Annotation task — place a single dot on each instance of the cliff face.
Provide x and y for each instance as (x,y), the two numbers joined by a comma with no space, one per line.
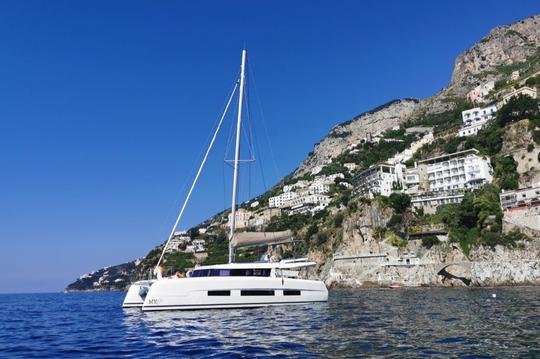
(504,45)
(350,133)
(364,260)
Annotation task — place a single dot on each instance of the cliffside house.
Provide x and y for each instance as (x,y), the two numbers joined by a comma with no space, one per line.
(520,197)
(480,92)
(525,90)
(522,208)
(475,118)
(458,170)
(179,240)
(377,179)
(242,218)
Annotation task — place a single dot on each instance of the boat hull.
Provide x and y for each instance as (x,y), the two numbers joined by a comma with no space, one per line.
(137,293)
(231,292)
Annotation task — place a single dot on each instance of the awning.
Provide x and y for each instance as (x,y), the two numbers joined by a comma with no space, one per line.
(254,239)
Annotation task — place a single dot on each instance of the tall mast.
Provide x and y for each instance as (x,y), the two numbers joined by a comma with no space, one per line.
(237,155)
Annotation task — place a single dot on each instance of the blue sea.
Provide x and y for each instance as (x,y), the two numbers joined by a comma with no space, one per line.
(450,322)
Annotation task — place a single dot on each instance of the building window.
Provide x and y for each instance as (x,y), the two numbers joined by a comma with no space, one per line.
(256,292)
(219,293)
(291,292)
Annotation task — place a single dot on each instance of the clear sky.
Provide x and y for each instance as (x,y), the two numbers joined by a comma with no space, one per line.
(105,106)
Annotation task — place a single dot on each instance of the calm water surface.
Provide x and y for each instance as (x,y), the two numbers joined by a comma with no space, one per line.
(354,323)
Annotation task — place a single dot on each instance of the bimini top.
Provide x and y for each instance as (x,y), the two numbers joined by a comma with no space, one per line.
(254,239)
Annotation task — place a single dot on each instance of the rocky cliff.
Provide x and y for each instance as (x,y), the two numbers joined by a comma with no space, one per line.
(504,46)
(364,259)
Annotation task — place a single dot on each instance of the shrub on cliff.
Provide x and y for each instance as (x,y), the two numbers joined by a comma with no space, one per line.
(518,108)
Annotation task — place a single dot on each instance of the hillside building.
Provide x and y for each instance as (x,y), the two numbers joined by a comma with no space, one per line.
(282,201)
(525,90)
(520,197)
(475,118)
(378,179)
(459,170)
(480,92)
(242,218)
(177,242)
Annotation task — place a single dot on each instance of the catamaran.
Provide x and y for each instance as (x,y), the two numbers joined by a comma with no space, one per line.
(230,285)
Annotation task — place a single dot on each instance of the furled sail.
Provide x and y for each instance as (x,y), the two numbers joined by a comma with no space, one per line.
(253,239)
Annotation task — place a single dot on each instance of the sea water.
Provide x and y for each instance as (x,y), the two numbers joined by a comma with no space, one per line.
(457,322)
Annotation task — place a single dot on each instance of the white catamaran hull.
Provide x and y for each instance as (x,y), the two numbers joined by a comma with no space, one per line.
(137,293)
(231,292)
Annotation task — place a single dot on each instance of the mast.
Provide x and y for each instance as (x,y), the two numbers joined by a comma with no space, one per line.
(237,155)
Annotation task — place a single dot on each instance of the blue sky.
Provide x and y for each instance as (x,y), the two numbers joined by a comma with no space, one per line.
(106,105)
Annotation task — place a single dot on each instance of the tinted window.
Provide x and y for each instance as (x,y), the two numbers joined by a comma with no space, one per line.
(200,273)
(291,292)
(212,293)
(248,272)
(256,292)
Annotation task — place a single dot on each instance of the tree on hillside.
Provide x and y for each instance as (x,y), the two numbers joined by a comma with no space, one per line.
(399,201)
(518,108)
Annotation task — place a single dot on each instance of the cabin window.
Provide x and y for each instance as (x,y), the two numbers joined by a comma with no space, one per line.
(244,272)
(219,293)
(291,292)
(200,273)
(256,292)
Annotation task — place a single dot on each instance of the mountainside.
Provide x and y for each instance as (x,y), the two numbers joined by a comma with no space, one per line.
(359,238)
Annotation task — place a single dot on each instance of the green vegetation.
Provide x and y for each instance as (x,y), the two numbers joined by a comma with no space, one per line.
(335,134)
(178,261)
(371,153)
(399,202)
(476,220)
(217,249)
(443,121)
(518,108)
(533,81)
(506,174)
(430,241)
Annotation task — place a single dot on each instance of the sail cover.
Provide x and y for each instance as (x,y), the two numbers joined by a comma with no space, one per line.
(253,239)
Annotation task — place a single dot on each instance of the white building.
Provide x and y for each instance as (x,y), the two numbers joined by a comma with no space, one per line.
(283,200)
(319,188)
(480,92)
(254,204)
(514,75)
(378,179)
(177,241)
(459,170)
(522,208)
(521,197)
(292,187)
(475,118)
(525,90)
(315,199)
(350,166)
(430,201)
(196,246)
